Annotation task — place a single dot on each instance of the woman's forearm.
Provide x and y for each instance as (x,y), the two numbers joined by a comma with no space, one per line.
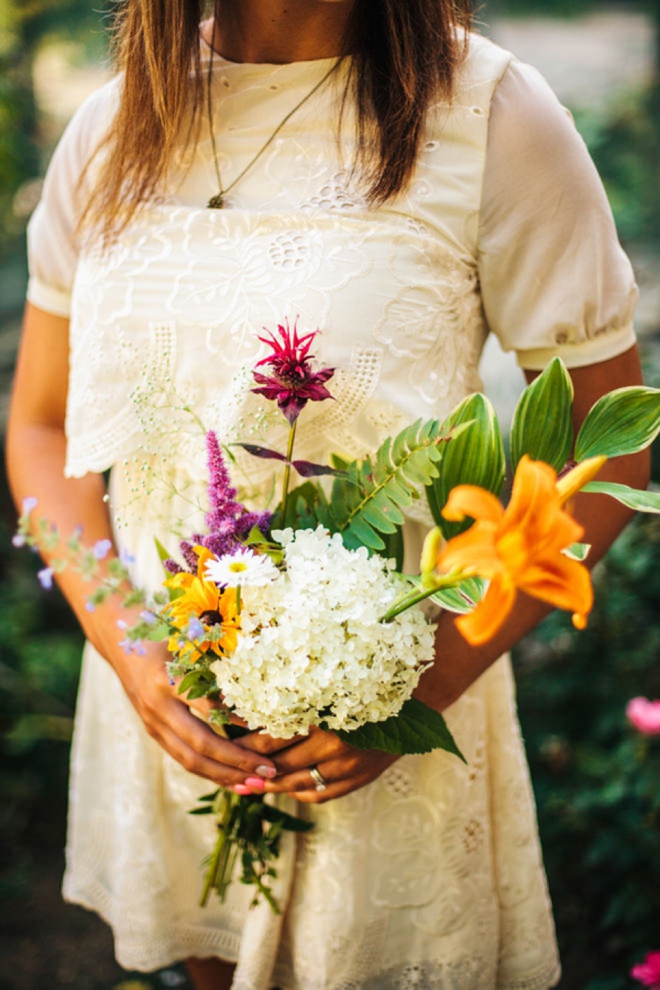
(35,462)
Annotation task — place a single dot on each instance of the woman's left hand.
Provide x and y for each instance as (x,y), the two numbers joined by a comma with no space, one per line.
(342,767)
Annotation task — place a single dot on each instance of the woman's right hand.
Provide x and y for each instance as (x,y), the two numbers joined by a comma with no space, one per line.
(167,718)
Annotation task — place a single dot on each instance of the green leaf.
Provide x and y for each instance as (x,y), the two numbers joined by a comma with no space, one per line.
(208,797)
(364,534)
(463,598)
(286,821)
(624,421)
(473,456)
(163,554)
(306,505)
(157,631)
(543,421)
(394,548)
(368,503)
(578,551)
(206,810)
(633,498)
(416,729)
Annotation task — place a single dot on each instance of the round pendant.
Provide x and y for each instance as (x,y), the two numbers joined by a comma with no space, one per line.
(216,202)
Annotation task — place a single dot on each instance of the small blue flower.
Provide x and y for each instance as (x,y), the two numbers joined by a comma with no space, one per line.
(46,578)
(18,540)
(126,557)
(195,629)
(90,606)
(101,549)
(127,646)
(122,624)
(29,504)
(148,617)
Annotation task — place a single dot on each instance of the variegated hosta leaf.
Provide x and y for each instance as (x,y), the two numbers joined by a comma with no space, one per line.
(578,551)
(367,504)
(543,421)
(463,598)
(622,422)
(633,498)
(475,456)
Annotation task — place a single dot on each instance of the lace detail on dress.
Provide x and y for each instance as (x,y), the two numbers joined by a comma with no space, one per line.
(336,195)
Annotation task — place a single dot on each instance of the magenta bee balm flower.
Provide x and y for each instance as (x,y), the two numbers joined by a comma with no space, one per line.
(292,382)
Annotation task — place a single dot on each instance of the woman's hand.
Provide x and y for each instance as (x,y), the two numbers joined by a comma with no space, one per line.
(343,767)
(168,720)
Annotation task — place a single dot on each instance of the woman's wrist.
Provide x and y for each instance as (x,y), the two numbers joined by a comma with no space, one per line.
(458,665)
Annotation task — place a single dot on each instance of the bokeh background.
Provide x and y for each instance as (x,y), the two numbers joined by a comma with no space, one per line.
(597,783)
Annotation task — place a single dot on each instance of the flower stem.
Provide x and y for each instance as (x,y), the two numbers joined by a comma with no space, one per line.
(287,469)
(451,580)
(216,877)
(213,869)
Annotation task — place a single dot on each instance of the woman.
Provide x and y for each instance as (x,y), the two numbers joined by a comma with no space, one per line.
(404,198)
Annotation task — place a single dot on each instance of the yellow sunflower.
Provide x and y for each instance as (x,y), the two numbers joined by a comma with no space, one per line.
(201,600)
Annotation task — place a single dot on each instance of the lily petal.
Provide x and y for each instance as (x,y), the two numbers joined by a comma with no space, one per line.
(472,551)
(491,613)
(469,500)
(562,582)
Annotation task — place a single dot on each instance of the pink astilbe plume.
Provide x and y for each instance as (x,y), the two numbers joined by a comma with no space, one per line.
(227,519)
(292,382)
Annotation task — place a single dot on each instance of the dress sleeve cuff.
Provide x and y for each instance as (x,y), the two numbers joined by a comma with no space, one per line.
(599,348)
(48,298)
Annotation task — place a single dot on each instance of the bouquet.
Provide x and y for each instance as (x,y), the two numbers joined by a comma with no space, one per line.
(302,616)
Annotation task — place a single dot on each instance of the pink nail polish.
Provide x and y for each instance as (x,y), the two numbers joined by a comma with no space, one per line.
(256,783)
(268,772)
(242,790)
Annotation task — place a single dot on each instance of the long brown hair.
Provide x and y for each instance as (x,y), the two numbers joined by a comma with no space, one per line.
(404,54)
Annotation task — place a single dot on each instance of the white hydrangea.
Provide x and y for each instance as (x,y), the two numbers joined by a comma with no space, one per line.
(311,647)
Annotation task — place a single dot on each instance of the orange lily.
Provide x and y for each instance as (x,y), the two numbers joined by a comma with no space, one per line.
(203,600)
(520,547)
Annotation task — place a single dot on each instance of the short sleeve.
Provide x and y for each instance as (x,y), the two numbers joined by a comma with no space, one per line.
(554,278)
(53,234)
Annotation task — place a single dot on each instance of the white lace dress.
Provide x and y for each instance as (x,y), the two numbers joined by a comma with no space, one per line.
(430,877)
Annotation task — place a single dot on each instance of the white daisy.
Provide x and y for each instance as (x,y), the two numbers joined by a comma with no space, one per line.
(241,569)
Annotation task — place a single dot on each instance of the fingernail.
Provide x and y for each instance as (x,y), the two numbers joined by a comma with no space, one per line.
(255,782)
(242,790)
(268,772)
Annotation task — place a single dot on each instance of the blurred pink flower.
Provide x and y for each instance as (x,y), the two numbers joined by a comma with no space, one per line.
(648,972)
(644,715)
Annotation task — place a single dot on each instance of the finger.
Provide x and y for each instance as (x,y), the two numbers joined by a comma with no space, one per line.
(311,751)
(206,743)
(261,742)
(196,763)
(332,771)
(333,791)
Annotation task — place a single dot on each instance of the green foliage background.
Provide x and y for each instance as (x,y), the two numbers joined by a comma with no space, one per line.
(597,782)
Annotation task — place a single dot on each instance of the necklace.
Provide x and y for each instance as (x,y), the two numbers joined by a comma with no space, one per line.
(217,202)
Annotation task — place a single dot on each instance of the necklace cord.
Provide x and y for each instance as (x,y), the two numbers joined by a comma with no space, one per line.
(217,201)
